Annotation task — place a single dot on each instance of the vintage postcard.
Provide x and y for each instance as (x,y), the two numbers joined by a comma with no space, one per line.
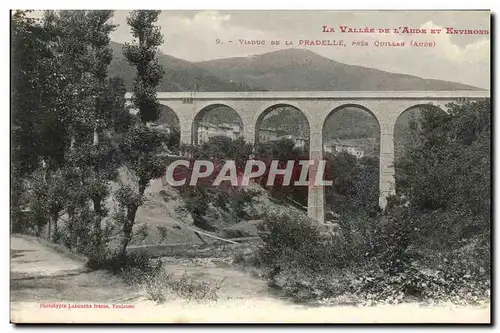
(250,166)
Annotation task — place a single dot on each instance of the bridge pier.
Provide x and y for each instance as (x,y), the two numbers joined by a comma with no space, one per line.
(387,181)
(316,194)
(316,201)
(249,130)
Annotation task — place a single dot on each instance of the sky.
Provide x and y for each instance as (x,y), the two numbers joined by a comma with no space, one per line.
(192,35)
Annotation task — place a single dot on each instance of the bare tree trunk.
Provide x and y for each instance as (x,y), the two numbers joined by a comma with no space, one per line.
(127,230)
(49,229)
(53,221)
(98,232)
(96,137)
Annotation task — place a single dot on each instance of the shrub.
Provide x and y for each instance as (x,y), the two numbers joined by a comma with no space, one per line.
(247,255)
(196,202)
(187,288)
(133,267)
(292,241)
(240,203)
(298,259)
(157,288)
(163,231)
(162,287)
(141,233)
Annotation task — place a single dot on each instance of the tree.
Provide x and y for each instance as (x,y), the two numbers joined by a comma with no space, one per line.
(141,144)
(445,176)
(60,98)
(25,53)
(102,164)
(120,118)
(224,148)
(100,55)
(355,184)
(142,55)
(40,104)
(283,150)
(83,47)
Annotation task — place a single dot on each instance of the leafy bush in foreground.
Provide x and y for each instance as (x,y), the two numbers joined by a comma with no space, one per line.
(117,263)
(163,286)
(308,265)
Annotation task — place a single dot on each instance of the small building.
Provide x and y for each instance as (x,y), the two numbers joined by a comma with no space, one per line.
(162,127)
(207,131)
(300,142)
(274,135)
(338,146)
(268,134)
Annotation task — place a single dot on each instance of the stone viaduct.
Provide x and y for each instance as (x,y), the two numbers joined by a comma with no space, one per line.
(384,106)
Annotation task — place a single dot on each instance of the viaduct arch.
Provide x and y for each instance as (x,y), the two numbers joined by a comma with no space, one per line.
(385,106)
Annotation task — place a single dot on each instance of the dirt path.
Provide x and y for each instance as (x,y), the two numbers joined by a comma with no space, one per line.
(42,277)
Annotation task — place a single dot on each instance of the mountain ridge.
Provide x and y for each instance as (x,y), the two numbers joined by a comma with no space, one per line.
(180,74)
(300,69)
(281,70)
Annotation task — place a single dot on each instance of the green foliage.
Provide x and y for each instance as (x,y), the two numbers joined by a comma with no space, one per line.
(283,150)
(59,99)
(163,286)
(39,210)
(119,117)
(222,148)
(135,266)
(140,145)
(355,184)
(140,148)
(293,240)
(141,233)
(196,201)
(39,97)
(287,120)
(308,265)
(142,55)
(173,140)
(240,202)
(350,122)
(446,177)
(190,289)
